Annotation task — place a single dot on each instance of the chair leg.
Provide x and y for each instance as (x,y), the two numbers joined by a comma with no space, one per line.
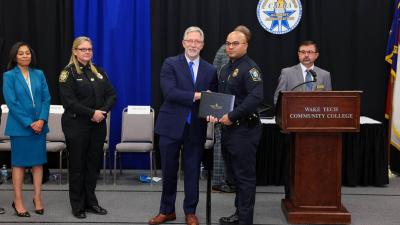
(104,165)
(60,169)
(120,164)
(67,158)
(155,165)
(115,166)
(109,162)
(151,167)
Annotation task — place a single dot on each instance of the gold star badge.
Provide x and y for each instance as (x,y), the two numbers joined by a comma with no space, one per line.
(235,72)
(63,76)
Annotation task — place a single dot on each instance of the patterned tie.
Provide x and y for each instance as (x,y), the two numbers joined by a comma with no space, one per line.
(309,86)
(194,81)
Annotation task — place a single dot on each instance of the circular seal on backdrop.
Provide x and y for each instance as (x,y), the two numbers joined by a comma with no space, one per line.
(279,16)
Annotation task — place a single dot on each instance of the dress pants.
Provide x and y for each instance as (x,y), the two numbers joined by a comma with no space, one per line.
(239,146)
(85,140)
(192,152)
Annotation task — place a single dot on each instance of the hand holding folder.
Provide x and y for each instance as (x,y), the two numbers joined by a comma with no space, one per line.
(215,104)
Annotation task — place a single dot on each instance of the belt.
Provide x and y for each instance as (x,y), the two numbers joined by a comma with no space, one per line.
(250,121)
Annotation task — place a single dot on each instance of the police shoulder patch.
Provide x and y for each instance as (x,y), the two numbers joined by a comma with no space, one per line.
(255,74)
(63,76)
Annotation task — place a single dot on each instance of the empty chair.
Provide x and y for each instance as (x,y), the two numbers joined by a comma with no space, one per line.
(137,135)
(55,140)
(5,144)
(210,136)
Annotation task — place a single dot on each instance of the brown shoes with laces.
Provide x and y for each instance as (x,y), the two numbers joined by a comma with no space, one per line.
(191,219)
(162,218)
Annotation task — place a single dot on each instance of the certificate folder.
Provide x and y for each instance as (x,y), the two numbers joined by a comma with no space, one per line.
(215,104)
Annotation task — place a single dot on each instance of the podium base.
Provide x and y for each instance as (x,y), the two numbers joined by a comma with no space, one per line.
(314,215)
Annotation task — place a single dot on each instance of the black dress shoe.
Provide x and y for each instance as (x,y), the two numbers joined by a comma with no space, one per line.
(20,214)
(2,210)
(96,209)
(233,219)
(224,188)
(80,214)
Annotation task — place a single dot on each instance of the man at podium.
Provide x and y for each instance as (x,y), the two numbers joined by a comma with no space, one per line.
(304,76)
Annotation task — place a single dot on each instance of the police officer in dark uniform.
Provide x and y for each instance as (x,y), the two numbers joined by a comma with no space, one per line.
(241,128)
(87,95)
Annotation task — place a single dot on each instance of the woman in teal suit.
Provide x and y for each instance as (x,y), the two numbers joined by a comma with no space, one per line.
(27,97)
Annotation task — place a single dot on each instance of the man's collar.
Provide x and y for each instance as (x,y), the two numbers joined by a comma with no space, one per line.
(237,61)
(196,61)
(303,68)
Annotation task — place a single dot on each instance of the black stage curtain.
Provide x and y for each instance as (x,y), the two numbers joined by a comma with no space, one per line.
(352,37)
(364,156)
(47,25)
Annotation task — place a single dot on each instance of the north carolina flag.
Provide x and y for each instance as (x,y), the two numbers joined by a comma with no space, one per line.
(393,94)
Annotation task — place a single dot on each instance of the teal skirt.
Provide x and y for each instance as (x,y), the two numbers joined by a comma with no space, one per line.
(27,151)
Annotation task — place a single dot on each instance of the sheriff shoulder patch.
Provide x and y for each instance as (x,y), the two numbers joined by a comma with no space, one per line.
(63,76)
(255,74)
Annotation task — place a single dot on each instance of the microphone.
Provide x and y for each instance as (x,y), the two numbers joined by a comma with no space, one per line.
(313,74)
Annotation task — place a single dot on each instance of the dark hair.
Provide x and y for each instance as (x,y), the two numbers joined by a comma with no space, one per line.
(308,43)
(245,31)
(12,56)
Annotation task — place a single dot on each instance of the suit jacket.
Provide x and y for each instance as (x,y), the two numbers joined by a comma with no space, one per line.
(292,76)
(22,112)
(178,91)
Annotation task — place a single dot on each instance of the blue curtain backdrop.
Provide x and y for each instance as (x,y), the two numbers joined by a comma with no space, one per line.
(120,31)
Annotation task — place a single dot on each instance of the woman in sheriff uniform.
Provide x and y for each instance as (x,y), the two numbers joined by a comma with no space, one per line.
(87,95)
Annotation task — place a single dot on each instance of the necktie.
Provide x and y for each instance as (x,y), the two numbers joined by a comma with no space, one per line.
(194,80)
(192,71)
(309,78)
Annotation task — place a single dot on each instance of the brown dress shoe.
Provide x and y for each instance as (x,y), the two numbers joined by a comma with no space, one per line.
(191,219)
(162,218)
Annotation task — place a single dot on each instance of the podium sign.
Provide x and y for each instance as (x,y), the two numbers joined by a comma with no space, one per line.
(326,111)
(315,121)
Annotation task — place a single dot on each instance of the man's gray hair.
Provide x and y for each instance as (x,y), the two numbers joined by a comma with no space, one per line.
(193,29)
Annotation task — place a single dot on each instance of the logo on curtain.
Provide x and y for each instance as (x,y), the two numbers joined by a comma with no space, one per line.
(279,16)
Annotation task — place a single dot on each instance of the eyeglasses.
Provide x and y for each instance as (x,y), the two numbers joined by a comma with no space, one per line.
(303,52)
(233,44)
(85,49)
(191,41)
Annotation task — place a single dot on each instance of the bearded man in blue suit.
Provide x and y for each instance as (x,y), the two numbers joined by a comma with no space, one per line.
(182,79)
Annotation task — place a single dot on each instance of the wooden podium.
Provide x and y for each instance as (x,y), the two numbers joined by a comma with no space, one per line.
(316,121)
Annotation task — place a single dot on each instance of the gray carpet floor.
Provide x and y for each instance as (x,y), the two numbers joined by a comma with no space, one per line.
(132,202)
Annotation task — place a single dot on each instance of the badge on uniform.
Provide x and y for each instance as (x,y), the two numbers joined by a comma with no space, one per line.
(255,74)
(63,76)
(99,76)
(235,72)
(320,86)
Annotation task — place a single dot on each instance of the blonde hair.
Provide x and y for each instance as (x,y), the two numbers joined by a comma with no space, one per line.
(193,29)
(74,60)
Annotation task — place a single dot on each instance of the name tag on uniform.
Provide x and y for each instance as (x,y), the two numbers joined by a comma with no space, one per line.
(91,79)
(79,79)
